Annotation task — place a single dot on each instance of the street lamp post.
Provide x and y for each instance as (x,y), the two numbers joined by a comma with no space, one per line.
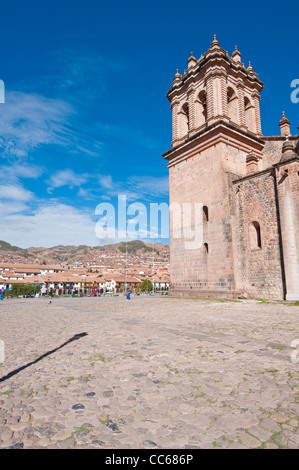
(125,278)
(153,268)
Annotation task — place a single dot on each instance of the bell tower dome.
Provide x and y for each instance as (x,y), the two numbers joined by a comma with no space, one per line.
(215,87)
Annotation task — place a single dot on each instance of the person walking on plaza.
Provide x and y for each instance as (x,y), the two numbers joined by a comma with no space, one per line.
(43,291)
(128,295)
(2,291)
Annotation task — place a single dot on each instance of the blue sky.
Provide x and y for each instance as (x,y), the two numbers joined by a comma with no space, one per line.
(86,117)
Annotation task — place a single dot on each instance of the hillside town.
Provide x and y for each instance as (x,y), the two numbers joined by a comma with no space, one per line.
(109,270)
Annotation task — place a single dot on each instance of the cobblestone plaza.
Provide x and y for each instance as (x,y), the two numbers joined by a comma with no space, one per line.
(150,373)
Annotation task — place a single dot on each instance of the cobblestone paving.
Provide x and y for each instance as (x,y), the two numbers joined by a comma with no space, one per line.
(148,373)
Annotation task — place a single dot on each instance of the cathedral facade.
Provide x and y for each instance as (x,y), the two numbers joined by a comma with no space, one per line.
(246,183)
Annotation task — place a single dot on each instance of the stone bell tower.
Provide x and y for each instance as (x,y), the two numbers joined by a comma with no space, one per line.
(216,138)
(215,87)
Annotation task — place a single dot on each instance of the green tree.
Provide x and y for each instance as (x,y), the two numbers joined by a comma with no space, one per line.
(146,285)
(22,289)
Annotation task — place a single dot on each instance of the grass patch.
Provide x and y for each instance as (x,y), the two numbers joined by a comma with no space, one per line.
(194,371)
(208,299)
(173,370)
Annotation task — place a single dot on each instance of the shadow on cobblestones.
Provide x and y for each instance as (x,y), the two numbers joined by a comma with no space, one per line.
(16,371)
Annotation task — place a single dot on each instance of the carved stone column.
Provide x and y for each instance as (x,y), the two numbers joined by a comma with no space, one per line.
(256,103)
(175,130)
(222,110)
(210,96)
(191,105)
(241,106)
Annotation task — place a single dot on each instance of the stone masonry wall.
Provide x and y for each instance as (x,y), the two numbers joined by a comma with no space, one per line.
(287,179)
(208,269)
(259,270)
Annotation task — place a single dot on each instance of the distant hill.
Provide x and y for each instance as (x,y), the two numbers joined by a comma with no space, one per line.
(7,247)
(83,255)
(133,246)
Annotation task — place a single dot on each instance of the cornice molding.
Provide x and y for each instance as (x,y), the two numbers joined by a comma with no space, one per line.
(217,132)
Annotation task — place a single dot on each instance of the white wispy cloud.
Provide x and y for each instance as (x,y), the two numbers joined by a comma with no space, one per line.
(83,71)
(14,192)
(13,173)
(135,187)
(150,185)
(28,121)
(106,182)
(67,178)
(50,224)
(13,207)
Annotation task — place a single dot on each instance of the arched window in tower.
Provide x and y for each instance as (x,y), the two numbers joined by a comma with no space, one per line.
(232,105)
(255,239)
(184,120)
(249,116)
(205,214)
(206,248)
(200,109)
